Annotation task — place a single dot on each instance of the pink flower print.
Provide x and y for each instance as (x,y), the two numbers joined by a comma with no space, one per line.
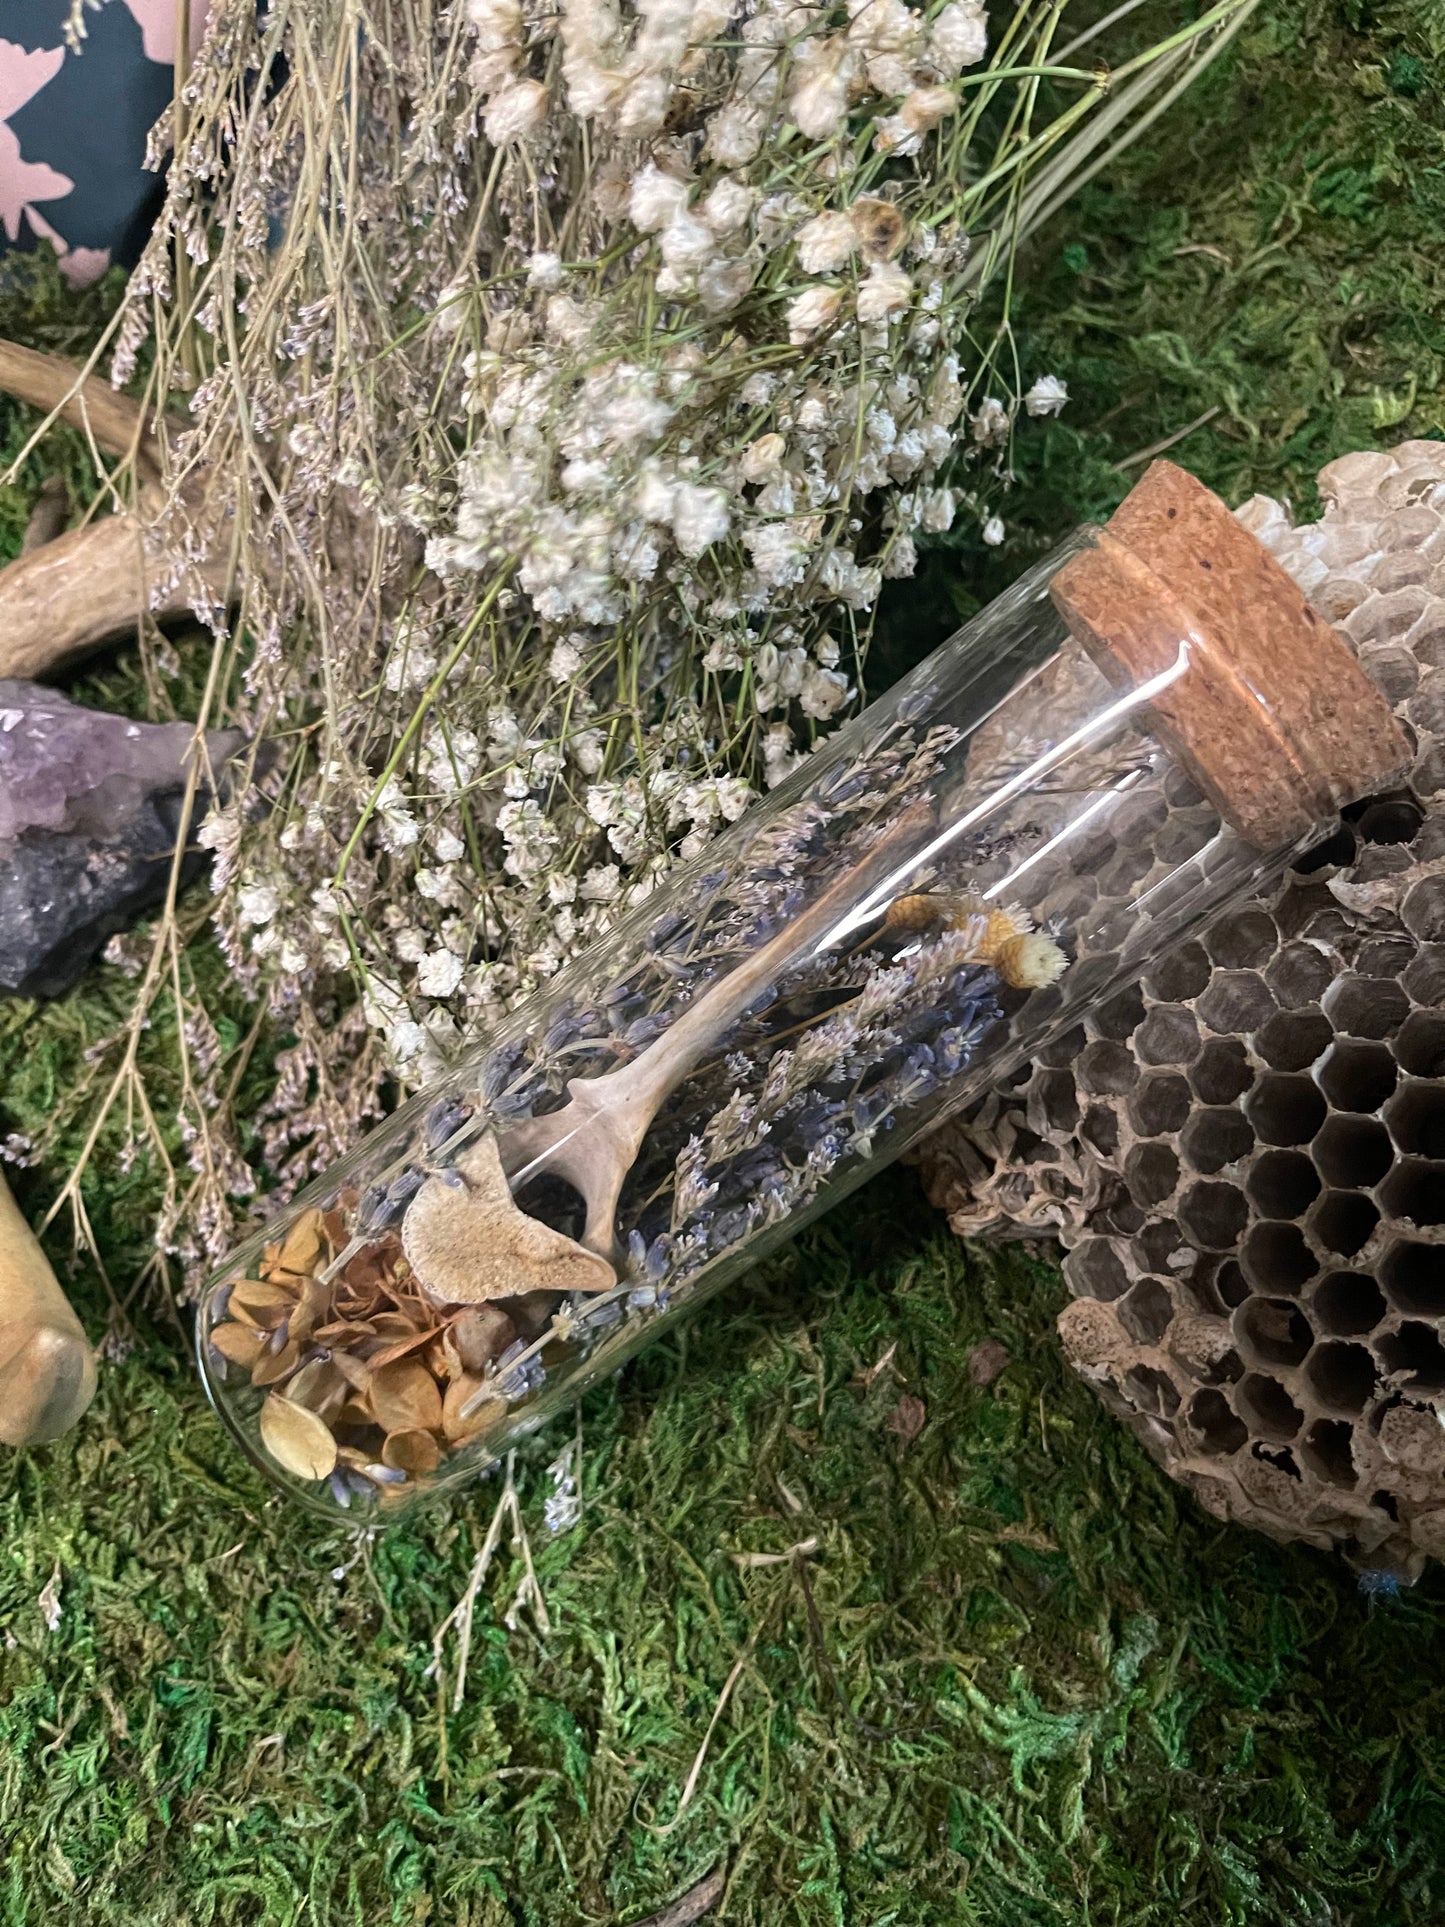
(157,22)
(22,182)
(80,266)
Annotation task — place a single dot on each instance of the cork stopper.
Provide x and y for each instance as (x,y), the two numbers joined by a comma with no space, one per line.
(1272,716)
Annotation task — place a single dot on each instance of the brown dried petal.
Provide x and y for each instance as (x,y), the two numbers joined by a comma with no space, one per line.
(297,1440)
(317,1385)
(459,1393)
(356,1371)
(414,1452)
(390,1353)
(266,1300)
(405,1397)
(373,1267)
(271,1367)
(312,1306)
(908,1417)
(240,1343)
(342,1332)
(301,1246)
(480,1334)
(987,1359)
(395,1325)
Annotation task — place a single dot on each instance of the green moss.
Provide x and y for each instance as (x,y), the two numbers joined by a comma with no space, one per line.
(1036,1683)
(1040,1686)
(1271,253)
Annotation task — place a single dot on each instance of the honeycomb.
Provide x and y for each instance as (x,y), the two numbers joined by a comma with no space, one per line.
(1244,1156)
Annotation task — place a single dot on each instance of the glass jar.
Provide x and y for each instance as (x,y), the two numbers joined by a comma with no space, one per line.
(1150,724)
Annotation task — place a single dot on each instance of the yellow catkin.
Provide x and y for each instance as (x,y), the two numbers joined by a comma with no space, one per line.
(1023,957)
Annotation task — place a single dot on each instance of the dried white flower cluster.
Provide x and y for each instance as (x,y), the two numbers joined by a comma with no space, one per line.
(577,376)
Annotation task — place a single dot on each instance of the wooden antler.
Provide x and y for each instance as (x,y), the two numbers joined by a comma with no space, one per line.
(64,598)
(47,1368)
(116,423)
(69,596)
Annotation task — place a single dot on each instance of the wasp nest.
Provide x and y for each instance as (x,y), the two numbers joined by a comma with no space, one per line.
(1245,1156)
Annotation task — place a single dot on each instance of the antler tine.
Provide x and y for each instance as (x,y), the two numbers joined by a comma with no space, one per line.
(117,423)
(85,588)
(62,599)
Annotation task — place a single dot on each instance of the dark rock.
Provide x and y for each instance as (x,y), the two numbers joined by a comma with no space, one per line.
(90,805)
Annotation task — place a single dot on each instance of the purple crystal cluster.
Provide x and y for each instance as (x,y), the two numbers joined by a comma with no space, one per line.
(89,812)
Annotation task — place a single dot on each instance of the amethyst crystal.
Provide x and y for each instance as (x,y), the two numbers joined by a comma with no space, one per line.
(89,810)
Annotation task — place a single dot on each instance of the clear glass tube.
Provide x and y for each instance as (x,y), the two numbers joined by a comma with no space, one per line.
(999,843)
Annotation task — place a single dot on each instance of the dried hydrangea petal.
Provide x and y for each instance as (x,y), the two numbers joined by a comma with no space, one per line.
(405,1397)
(415,1452)
(299,1442)
(241,1344)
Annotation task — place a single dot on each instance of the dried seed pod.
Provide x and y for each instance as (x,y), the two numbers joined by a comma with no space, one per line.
(300,1442)
(481,1334)
(1245,1159)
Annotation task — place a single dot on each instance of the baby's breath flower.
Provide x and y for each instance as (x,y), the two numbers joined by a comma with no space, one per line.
(257,903)
(760,459)
(886,292)
(925,107)
(825,244)
(656,199)
(1047,396)
(823,693)
(655,455)
(958,37)
(813,313)
(936,510)
(700,517)
(728,205)
(991,423)
(439,973)
(516,112)
(820,98)
(544,270)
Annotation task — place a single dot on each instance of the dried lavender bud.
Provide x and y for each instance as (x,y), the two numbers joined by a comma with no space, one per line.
(445,1118)
(385,1204)
(501,1067)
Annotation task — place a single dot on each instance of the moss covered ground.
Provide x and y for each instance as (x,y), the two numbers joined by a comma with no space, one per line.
(1019,1678)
